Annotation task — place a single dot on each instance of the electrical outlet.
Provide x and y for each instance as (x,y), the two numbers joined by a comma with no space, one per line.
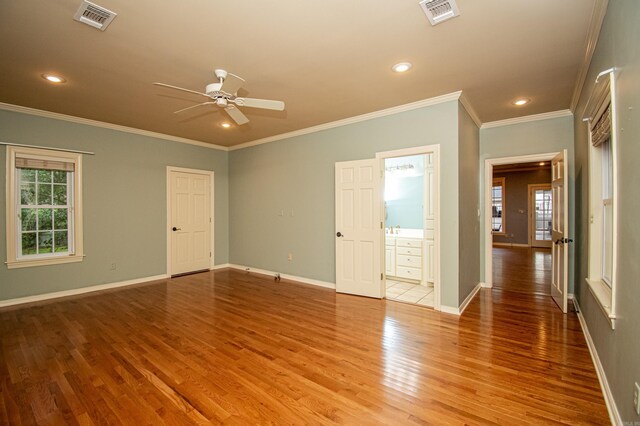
(636,398)
(290,257)
(113,267)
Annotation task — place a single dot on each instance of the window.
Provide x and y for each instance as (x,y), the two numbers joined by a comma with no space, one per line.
(497,207)
(44,202)
(602,200)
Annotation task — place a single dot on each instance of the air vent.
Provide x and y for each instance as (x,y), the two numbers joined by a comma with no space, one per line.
(94,15)
(439,10)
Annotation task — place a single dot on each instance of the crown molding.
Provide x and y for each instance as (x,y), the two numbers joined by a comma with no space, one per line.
(470,110)
(528,118)
(595,25)
(351,120)
(102,124)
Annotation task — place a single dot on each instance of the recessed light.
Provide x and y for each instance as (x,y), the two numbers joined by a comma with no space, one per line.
(226,125)
(521,102)
(401,67)
(52,78)
(542,163)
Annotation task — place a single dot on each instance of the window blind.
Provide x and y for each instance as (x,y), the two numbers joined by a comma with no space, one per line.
(601,131)
(35,163)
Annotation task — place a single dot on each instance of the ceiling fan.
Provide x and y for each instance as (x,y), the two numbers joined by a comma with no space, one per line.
(224,95)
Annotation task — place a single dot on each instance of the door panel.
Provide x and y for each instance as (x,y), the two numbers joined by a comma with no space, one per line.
(190,206)
(358,248)
(560,248)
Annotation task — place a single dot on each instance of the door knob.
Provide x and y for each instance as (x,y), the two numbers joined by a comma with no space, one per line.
(176,229)
(567,240)
(339,234)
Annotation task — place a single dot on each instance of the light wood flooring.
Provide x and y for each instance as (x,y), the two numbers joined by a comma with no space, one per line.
(228,347)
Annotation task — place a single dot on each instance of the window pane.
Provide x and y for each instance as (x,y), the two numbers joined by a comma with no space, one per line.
(29,243)
(62,244)
(60,195)
(44,194)
(44,175)
(45,242)
(45,219)
(60,219)
(28,218)
(28,194)
(60,176)
(27,175)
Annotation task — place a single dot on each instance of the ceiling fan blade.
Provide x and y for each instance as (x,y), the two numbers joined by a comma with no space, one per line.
(180,88)
(232,83)
(236,114)
(193,106)
(260,103)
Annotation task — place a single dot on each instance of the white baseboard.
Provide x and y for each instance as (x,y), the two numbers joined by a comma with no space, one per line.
(459,310)
(285,276)
(614,415)
(76,291)
(221,266)
(510,245)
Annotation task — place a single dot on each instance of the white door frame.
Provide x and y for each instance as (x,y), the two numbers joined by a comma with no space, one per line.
(418,150)
(488,182)
(212,212)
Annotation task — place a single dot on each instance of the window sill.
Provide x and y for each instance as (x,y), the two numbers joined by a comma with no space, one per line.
(602,293)
(27,263)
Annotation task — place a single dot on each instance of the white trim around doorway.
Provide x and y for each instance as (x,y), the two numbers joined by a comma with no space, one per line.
(488,177)
(213,218)
(418,150)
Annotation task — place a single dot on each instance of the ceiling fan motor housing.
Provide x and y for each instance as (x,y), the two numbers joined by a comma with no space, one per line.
(213,89)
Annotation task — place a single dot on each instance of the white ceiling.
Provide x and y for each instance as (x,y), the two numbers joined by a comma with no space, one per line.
(328,60)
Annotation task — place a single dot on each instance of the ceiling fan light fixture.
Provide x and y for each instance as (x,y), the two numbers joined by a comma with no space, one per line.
(55,79)
(521,102)
(401,67)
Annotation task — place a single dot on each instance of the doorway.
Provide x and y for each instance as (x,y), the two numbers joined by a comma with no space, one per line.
(525,229)
(189,220)
(411,237)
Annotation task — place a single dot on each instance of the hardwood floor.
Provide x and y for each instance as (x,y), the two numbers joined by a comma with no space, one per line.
(522,269)
(237,348)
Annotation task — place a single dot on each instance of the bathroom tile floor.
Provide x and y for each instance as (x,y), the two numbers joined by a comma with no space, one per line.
(416,294)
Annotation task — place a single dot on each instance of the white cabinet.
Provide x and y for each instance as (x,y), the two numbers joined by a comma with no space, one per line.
(404,258)
(429,260)
(390,258)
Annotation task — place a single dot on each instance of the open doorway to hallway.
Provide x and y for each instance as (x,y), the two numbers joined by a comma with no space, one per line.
(521,222)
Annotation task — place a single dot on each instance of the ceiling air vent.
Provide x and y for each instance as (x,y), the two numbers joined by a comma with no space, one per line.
(439,10)
(94,15)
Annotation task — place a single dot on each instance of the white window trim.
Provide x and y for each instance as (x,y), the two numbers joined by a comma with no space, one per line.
(13,260)
(603,292)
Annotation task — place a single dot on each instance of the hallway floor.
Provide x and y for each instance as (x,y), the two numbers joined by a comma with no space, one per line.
(522,270)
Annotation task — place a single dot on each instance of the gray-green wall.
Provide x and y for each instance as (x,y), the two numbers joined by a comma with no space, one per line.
(124,203)
(619,349)
(534,137)
(469,236)
(297,175)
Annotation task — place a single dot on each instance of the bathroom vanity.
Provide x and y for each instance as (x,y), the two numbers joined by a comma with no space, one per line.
(409,256)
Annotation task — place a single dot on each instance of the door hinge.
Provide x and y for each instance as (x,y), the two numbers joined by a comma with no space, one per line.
(209,254)
(381,276)
(381,225)
(209,220)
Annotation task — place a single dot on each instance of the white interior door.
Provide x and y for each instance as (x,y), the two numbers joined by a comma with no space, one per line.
(560,248)
(358,228)
(190,221)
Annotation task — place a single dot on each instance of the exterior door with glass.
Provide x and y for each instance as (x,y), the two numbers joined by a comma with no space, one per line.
(540,215)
